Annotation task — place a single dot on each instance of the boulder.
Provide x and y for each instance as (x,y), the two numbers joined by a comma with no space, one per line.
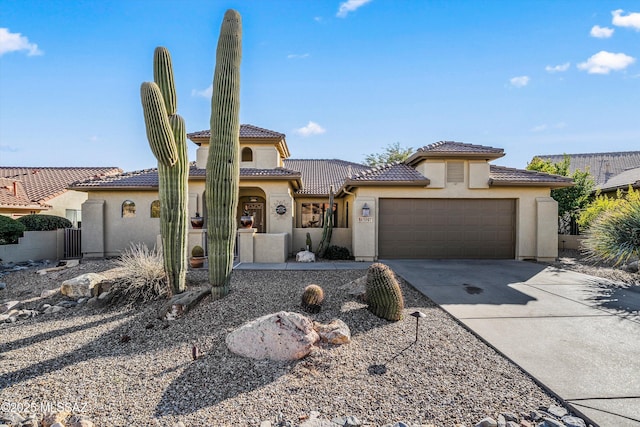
(49,293)
(81,286)
(356,288)
(335,332)
(278,336)
(305,256)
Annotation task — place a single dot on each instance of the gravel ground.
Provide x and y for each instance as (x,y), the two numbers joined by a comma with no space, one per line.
(124,367)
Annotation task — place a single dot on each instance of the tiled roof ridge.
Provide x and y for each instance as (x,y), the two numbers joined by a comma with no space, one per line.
(262,129)
(437,144)
(116,176)
(497,168)
(374,169)
(244,126)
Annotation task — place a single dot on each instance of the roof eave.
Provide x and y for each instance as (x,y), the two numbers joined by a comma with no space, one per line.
(494,183)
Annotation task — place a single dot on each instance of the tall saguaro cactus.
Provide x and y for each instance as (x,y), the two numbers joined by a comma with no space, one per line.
(223,164)
(168,140)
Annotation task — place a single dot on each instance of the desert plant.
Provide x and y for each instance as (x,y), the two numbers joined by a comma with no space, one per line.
(603,203)
(197,251)
(337,252)
(10,230)
(312,298)
(144,279)
(308,242)
(223,164)
(614,236)
(168,140)
(37,222)
(383,293)
(327,227)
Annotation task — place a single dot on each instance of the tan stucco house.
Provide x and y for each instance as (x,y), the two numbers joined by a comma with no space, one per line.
(446,201)
(43,190)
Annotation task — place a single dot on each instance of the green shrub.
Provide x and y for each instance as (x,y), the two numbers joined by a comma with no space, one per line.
(337,253)
(37,222)
(603,203)
(10,230)
(614,236)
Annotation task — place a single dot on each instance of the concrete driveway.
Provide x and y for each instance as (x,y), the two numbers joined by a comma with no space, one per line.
(578,335)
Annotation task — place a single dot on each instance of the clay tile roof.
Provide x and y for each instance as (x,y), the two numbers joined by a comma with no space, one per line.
(318,175)
(246,131)
(602,166)
(458,147)
(392,172)
(43,183)
(623,180)
(13,194)
(148,178)
(504,176)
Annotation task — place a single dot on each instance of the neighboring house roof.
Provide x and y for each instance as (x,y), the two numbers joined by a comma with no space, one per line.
(41,184)
(602,166)
(504,176)
(623,180)
(13,195)
(318,175)
(147,179)
(452,149)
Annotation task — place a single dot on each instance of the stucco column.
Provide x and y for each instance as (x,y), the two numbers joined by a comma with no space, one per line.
(245,244)
(364,229)
(546,229)
(93,228)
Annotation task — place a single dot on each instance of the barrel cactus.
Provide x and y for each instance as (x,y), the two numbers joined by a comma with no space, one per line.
(223,163)
(383,293)
(168,140)
(312,298)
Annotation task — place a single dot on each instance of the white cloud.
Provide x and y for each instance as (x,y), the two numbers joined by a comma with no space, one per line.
(603,62)
(350,6)
(558,68)
(298,56)
(601,32)
(312,128)
(520,81)
(317,18)
(631,20)
(15,42)
(204,93)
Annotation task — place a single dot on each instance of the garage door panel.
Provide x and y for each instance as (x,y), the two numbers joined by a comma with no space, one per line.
(446,228)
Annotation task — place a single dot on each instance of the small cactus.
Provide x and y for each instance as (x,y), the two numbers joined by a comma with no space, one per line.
(312,298)
(383,293)
(197,252)
(309,242)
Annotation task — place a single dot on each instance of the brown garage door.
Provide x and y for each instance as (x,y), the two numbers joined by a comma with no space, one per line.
(446,228)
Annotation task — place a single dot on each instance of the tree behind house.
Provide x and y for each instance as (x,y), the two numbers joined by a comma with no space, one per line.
(392,153)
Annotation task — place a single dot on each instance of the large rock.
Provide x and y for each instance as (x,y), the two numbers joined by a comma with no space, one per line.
(305,256)
(81,286)
(336,332)
(279,336)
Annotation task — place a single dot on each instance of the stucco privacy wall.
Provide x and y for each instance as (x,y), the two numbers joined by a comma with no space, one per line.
(339,237)
(35,245)
(536,226)
(118,233)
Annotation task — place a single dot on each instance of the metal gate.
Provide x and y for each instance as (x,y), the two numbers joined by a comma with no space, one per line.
(72,243)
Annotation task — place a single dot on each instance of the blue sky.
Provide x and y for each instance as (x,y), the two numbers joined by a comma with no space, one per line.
(341,79)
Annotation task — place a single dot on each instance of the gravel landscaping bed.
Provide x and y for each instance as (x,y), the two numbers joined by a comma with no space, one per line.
(123,366)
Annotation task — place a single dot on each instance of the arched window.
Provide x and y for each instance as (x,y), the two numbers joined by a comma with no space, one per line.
(247,154)
(155,209)
(128,209)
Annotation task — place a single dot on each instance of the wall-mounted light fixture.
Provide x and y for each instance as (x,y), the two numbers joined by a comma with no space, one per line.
(365,210)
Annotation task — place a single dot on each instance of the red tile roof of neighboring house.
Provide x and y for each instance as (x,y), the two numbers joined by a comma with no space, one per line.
(44,183)
(13,195)
(504,176)
(602,166)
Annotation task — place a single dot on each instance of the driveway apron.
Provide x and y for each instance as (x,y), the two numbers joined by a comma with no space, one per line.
(577,335)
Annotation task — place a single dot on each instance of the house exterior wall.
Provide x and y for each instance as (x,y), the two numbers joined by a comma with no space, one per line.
(536,225)
(70,199)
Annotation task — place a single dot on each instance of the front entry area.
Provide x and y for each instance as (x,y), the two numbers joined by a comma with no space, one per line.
(254,206)
(446,228)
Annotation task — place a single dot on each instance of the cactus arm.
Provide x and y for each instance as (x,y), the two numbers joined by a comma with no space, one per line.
(163,76)
(223,165)
(159,133)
